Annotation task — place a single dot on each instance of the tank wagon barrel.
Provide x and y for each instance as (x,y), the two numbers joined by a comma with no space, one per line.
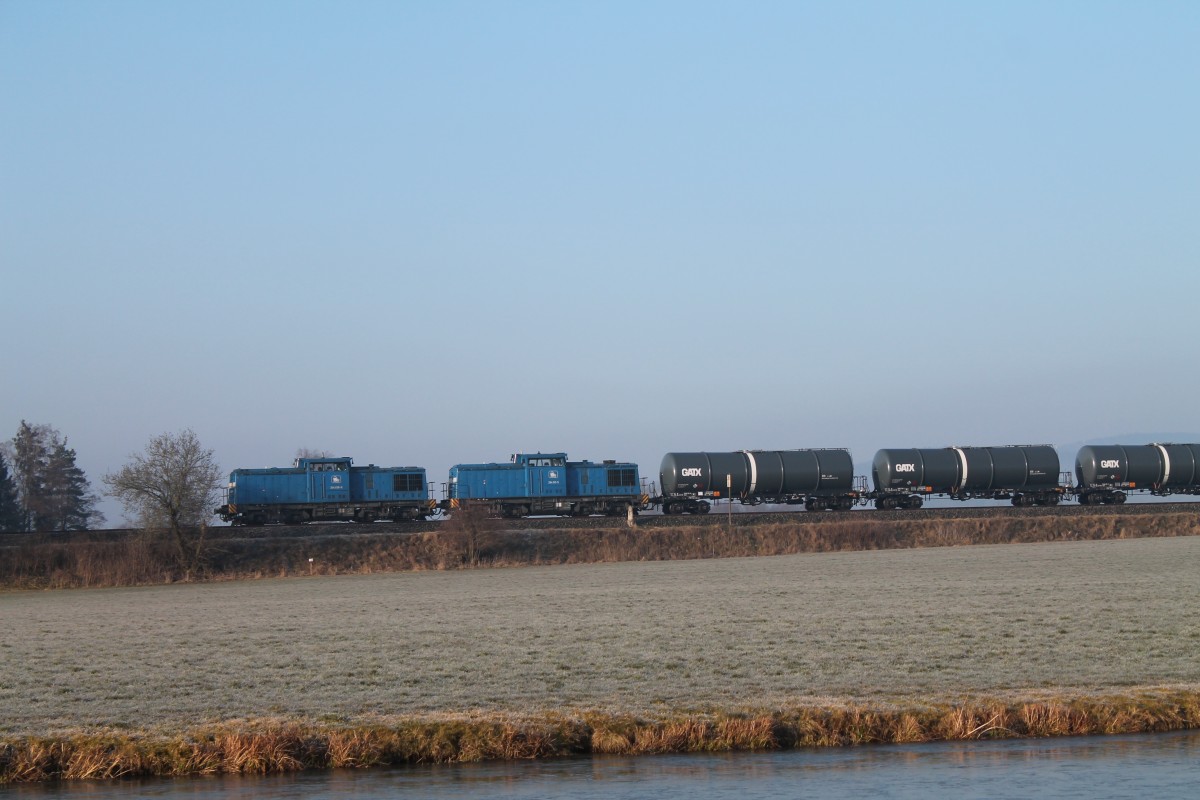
(1026,474)
(1106,472)
(820,479)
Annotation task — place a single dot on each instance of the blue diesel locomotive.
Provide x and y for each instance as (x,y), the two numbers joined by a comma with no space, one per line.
(326,490)
(546,484)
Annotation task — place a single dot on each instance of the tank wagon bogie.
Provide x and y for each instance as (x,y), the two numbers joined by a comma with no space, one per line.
(818,479)
(1105,473)
(326,490)
(546,484)
(1025,474)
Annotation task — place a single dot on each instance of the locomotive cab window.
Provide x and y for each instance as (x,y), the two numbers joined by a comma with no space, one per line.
(545,462)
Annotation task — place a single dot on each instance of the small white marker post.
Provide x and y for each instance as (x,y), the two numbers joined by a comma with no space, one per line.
(729,499)
(310,566)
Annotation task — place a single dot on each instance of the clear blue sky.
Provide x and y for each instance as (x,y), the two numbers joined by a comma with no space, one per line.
(426,233)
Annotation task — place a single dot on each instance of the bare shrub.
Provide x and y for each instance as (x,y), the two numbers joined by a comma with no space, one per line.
(467,534)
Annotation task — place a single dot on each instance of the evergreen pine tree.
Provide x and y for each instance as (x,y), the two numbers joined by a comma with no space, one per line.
(10,509)
(53,493)
(29,457)
(68,502)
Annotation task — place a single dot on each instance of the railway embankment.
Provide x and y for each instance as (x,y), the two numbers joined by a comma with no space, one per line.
(94,559)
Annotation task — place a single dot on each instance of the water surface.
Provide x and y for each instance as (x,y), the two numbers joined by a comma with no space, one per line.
(1156,765)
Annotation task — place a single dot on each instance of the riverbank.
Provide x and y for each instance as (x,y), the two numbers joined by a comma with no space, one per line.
(267,746)
(893,645)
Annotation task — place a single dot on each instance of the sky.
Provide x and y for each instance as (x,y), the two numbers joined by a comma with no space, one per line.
(428,233)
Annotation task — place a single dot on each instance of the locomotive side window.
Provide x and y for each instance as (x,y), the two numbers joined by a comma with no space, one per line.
(620,478)
(407,482)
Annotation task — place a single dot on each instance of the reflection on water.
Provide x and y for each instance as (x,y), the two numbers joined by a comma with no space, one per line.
(1158,765)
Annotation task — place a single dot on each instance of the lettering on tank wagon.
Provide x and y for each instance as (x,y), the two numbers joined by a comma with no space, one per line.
(906,468)
(691,472)
(1112,464)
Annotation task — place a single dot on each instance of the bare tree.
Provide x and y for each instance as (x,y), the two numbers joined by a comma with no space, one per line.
(172,488)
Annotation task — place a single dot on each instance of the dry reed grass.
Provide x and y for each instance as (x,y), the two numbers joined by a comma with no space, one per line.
(286,746)
(48,563)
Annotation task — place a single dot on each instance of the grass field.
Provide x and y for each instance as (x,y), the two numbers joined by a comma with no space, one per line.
(906,627)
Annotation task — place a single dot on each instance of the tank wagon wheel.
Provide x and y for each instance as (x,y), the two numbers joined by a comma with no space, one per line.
(702,507)
(914,502)
(1051,499)
(1118,498)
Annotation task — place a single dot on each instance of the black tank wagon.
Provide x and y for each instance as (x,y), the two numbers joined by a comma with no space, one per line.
(1026,474)
(820,479)
(1106,472)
